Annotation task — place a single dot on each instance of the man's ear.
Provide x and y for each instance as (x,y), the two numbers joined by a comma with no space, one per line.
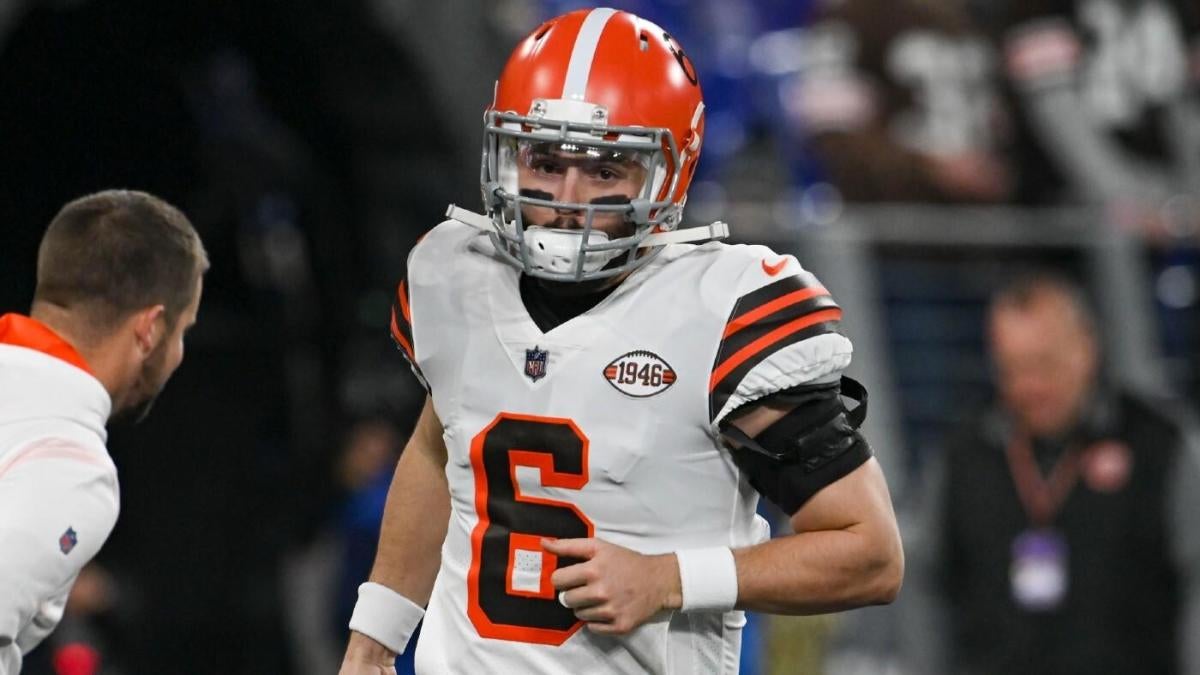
(148,329)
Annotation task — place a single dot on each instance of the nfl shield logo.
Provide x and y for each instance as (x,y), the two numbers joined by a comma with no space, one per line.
(535,363)
(67,541)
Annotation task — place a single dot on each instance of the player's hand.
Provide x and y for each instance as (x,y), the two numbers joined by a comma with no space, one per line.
(614,589)
(358,668)
(365,656)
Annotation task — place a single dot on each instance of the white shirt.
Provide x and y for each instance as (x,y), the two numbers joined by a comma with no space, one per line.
(58,490)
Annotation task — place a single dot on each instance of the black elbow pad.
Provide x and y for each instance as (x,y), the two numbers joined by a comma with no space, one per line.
(812,446)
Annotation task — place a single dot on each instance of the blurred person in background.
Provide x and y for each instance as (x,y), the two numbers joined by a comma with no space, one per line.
(899,102)
(568,500)
(1109,93)
(119,277)
(322,577)
(1060,532)
(86,641)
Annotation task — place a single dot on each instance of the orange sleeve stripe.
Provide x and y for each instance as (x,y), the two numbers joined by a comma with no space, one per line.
(771,307)
(739,357)
(53,448)
(399,337)
(402,294)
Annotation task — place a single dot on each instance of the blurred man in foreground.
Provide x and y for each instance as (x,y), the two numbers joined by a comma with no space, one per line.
(118,284)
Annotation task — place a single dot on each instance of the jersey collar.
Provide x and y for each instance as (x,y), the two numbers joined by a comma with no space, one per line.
(22,331)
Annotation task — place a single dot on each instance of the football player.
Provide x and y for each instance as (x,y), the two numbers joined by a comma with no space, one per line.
(607,401)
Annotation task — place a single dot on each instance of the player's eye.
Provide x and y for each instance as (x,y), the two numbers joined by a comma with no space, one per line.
(607,172)
(546,165)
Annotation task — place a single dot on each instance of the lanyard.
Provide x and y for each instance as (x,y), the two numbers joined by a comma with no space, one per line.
(1041,496)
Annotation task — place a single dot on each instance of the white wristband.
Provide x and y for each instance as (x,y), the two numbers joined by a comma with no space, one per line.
(385,616)
(708,579)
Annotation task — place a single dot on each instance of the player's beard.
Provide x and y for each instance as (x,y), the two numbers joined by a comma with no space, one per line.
(146,389)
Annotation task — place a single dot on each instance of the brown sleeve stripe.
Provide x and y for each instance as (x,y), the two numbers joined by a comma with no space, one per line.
(726,387)
(401,324)
(770,307)
(748,332)
(402,341)
(774,291)
(764,321)
(750,350)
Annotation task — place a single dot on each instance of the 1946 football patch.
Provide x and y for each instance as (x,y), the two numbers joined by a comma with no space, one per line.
(639,373)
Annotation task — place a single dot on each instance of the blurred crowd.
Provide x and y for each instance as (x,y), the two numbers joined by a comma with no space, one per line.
(311,144)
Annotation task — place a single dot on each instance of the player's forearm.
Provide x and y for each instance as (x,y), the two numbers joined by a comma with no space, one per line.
(818,572)
(415,516)
(846,553)
(410,542)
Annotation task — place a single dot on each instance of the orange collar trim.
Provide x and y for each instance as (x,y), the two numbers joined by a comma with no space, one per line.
(22,331)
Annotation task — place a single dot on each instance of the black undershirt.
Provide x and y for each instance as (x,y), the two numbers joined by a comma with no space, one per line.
(551,304)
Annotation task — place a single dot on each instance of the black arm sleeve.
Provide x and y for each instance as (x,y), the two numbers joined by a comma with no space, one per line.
(809,448)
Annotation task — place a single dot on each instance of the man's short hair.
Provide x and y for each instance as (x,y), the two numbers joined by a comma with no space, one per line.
(112,253)
(1029,286)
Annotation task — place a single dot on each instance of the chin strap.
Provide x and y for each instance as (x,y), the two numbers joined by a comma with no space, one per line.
(716,230)
(475,220)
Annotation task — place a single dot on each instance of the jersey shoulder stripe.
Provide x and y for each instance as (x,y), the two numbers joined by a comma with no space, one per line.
(765,321)
(402,315)
(431,284)
(401,330)
(402,322)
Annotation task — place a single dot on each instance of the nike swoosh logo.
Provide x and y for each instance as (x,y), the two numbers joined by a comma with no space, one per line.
(772,270)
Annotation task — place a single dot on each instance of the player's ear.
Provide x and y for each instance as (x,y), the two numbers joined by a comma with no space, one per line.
(149,327)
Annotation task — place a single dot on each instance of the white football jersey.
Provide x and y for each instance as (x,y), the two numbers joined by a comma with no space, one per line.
(59,495)
(606,426)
